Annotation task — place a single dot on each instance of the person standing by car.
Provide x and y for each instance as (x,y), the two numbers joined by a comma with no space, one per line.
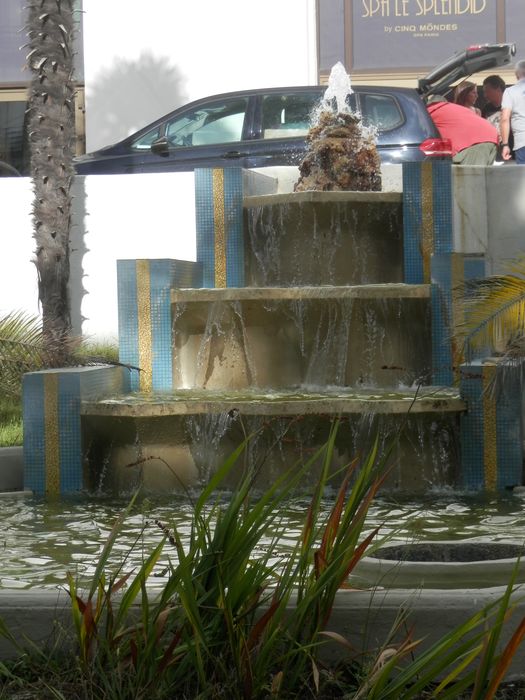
(474,141)
(493,89)
(513,116)
(466,95)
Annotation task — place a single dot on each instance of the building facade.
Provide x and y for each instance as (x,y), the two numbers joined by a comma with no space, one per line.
(396,41)
(14,80)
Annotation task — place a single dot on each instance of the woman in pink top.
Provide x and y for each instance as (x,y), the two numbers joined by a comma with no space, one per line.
(466,95)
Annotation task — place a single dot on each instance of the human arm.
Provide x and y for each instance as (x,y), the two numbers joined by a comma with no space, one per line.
(505,132)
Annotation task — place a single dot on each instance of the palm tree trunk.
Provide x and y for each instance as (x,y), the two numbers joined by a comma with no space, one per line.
(50,29)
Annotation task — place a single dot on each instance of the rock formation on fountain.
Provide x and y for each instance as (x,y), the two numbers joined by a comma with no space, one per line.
(342,154)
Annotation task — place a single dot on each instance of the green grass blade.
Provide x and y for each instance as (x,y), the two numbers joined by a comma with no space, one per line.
(135,587)
(112,537)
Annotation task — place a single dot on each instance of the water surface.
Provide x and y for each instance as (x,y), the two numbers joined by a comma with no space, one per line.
(41,541)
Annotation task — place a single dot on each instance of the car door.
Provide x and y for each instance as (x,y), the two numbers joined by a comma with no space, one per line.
(282,119)
(399,120)
(206,134)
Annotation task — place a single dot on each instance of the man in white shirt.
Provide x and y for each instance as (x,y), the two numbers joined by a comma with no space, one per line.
(513,114)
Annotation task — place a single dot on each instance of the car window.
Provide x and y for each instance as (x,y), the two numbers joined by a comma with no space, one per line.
(381,111)
(287,115)
(218,122)
(145,141)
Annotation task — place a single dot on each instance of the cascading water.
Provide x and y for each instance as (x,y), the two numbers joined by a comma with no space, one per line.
(205,435)
(353,241)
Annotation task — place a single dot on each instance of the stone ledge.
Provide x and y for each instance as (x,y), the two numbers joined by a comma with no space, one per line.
(359,291)
(324,197)
(194,401)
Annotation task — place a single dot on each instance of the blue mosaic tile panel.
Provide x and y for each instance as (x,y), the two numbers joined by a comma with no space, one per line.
(441,305)
(128,326)
(471,428)
(97,382)
(34,432)
(70,436)
(53,453)
(161,276)
(186,274)
(204,221)
(412,223)
(233,196)
(442,205)
(509,437)
(219,223)
(427,215)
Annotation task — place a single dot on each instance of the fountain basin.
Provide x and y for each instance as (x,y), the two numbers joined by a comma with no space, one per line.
(445,564)
(339,238)
(195,431)
(234,338)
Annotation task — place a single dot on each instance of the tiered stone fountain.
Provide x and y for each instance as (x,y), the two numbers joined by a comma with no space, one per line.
(322,326)
(301,308)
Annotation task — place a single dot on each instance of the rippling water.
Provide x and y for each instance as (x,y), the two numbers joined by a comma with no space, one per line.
(40,541)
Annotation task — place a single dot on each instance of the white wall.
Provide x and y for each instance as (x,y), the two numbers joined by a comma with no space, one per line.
(489,213)
(141,61)
(116,216)
(18,281)
(135,54)
(130,217)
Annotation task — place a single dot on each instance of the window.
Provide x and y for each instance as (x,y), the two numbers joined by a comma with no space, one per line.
(381,111)
(13,143)
(218,122)
(288,115)
(144,143)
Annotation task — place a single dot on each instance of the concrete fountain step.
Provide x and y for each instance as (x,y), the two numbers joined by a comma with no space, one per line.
(375,198)
(428,399)
(358,335)
(323,238)
(385,291)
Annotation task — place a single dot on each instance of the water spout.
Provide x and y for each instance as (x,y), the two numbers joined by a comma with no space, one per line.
(339,87)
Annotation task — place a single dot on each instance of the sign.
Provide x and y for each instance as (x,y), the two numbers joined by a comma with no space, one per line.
(404,34)
(515,24)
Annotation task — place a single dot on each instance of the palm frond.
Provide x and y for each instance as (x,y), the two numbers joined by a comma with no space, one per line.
(22,349)
(494,313)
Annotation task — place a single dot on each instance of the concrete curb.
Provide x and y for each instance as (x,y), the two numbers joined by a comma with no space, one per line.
(364,618)
(11,469)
